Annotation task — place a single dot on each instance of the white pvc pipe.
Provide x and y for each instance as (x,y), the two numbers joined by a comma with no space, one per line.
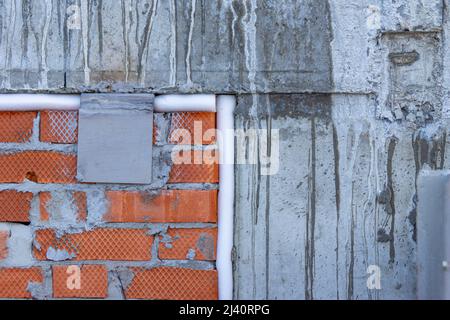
(225,126)
(38,102)
(186,103)
(164,103)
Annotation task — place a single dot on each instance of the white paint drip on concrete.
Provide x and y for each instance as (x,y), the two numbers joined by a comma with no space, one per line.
(249,27)
(233,23)
(8,48)
(85,35)
(189,48)
(44,72)
(173,44)
(144,56)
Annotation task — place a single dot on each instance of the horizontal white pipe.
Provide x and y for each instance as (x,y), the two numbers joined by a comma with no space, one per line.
(37,102)
(186,103)
(225,126)
(164,103)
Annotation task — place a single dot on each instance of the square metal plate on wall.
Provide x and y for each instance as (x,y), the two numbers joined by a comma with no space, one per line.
(115,138)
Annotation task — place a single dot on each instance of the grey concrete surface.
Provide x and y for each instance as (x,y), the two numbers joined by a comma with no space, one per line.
(359,90)
(160,45)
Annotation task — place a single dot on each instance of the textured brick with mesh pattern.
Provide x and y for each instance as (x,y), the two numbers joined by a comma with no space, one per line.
(14,282)
(38,166)
(188,244)
(59,127)
(183,124)
(92,282)
(173,284)
(16,127)
(15,206)
(4,236)
(99,244)
(166,206)
(195,167)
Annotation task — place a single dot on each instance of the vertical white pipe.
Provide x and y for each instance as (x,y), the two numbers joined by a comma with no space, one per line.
(225,126)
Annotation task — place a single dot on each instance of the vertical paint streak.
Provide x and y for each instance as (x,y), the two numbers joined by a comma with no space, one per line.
(126,5)
(65,44)
(100,30)
(9,40)
(44,67)
(173,44)
(311,219)
(375,150)
(85,40)
(144,43)
(189,45)
(249,27)
(337,187)
(370,200)
(255,197)
(26,9)
(267,216)
(351,267)
(233,23)
(390,185)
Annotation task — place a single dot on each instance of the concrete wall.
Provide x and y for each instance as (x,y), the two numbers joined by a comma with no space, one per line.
(358,89)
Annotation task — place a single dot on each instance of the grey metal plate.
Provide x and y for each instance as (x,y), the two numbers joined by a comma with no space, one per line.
(115,138)
(432,235)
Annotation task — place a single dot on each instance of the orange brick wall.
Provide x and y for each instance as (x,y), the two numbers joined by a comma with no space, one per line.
(84,238)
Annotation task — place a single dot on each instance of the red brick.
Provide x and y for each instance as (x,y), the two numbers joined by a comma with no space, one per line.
(168,206)
(14,282)
(4,236)
(184,244)
(155,134)
(59,127)
(16,127)
(194,167)
(38,166)
(78,200)
(173,284)
(92,283)
(99,244)
(183,124)
(15,206)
